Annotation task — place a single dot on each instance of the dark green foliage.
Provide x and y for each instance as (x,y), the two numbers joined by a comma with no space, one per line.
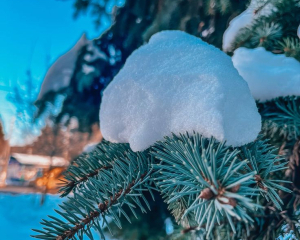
(281,118)
(263,159)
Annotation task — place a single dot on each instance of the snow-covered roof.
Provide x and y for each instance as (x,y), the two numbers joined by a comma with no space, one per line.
(178,83)
(38,160)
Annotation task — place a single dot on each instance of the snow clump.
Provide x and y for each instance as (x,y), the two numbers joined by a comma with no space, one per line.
(175,84)
(268,75)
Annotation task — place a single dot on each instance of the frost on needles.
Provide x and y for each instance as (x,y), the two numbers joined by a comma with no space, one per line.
(176,102)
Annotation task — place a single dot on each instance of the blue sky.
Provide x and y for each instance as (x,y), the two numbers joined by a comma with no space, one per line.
(33,34)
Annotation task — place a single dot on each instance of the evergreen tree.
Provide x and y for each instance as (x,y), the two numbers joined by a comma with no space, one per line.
(212,190)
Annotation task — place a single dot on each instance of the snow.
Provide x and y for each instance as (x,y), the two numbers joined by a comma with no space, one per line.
(178,83)
(298,31)
(87,69)
(243,20)
(268,75)
(90,147)
(59,74)
(19,214)
(94,53)
(287,233)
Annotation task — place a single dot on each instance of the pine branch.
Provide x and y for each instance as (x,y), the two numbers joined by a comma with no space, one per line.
(272,29)
(281,118)
(291,47)
(102,197)
(264,160)
(208,176)
(70,233)
(205,184)
(89,165)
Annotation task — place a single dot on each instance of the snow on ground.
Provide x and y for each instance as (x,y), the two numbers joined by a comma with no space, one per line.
(268,75)
(245,19)
(178,83)
(21,213)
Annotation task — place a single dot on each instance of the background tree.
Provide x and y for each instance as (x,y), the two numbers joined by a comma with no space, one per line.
(23,97)
(132,25)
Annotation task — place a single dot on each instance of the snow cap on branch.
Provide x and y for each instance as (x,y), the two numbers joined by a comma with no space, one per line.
(59,74)
(268,75)
(178,83)
(256,9)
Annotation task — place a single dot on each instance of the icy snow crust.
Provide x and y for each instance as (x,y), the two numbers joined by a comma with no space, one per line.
(268,75)
(178,83)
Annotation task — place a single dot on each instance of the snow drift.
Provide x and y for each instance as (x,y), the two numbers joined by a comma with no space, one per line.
(178,83)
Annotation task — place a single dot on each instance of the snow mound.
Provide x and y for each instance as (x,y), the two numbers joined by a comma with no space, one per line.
(268,75)
(59,74)
(178,83)
(256,9)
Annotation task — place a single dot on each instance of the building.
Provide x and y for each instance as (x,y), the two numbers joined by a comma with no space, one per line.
(25,169)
